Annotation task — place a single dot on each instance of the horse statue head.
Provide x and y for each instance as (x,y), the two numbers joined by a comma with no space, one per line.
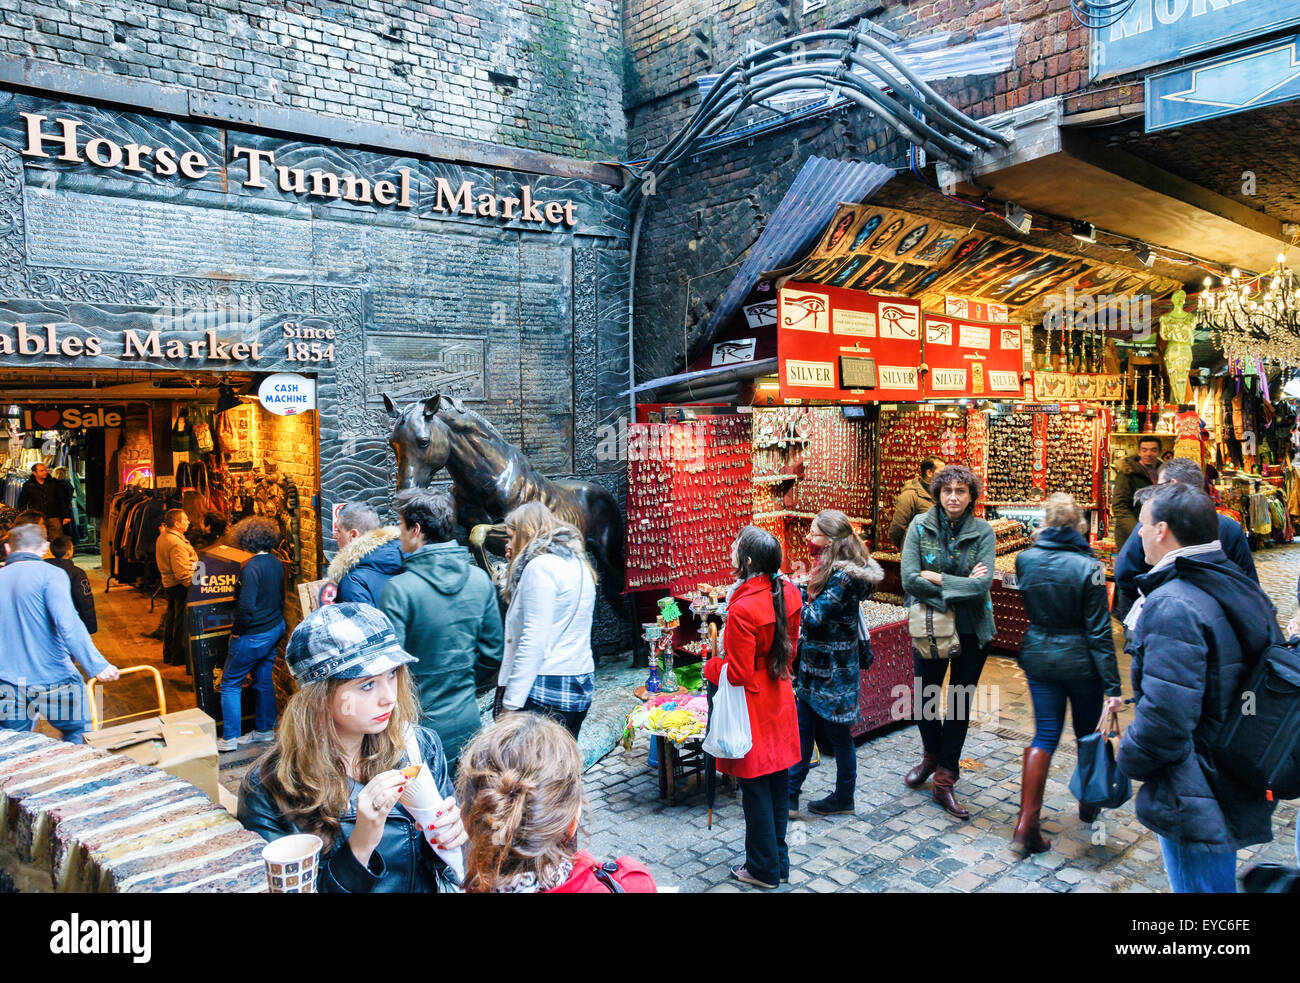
(421,440)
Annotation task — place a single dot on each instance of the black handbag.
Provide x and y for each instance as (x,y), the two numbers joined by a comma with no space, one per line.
(1098,779)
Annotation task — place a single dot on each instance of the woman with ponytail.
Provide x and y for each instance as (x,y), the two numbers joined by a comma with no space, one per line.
(521,782)
(759,645)
(829,677)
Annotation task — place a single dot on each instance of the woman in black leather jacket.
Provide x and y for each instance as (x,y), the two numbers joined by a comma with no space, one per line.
(334,769)
(1067,652)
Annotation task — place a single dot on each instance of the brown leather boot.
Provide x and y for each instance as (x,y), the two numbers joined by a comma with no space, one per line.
(942,791)
(921,773)
(1033,778)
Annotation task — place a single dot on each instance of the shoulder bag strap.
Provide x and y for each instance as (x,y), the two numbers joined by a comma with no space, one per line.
(604,873)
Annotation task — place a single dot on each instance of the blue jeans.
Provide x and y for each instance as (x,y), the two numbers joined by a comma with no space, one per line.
(764,802)
(1049,695)
(846,758)
(63,704)
(1198,873)
(249,655)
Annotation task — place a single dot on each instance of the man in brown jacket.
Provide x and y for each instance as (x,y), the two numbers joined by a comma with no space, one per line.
(912,500)
(176,561)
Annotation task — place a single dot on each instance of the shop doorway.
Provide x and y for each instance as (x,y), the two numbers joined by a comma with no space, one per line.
(123,447)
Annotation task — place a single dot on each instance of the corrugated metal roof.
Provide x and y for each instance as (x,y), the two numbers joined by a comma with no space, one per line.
(819,187)
(720,373)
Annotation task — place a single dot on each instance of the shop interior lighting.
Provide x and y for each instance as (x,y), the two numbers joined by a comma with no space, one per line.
(1017,218)
(1254,318)
(1144,255)
(1084,231)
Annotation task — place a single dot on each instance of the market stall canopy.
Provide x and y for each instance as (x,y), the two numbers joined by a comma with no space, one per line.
(796,225)
(887,250)
(1059,171)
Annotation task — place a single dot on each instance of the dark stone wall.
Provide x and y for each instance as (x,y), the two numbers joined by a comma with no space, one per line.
(541,76)
(705,215)
(526,325)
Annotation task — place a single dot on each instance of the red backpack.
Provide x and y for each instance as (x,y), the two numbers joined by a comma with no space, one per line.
(622,876)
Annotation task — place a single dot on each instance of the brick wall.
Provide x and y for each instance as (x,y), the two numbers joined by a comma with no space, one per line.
(557,85)
(663,59)
(705,215)
(74,819)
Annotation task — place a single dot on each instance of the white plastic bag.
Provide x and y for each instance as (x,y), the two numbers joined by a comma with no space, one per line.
(729,735)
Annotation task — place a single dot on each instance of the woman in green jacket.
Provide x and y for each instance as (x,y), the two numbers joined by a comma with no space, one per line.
(948,563)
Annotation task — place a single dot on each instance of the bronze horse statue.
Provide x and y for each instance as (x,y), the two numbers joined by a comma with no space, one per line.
(490,476)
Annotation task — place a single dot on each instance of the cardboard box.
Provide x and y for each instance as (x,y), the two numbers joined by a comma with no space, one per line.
(183,744)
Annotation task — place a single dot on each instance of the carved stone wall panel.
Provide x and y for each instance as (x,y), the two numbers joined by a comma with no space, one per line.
(13,241)
(612,351)
(585,438)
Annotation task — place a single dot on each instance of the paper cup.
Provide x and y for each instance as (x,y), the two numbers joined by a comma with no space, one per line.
(293,864)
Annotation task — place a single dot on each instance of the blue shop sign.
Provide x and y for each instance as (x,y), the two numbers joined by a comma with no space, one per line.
(1260,76)
(1155,32)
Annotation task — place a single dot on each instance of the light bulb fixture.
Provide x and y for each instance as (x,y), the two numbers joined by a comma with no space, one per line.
(1254,319)
(1083,231)
(1144,255)
(1017,218)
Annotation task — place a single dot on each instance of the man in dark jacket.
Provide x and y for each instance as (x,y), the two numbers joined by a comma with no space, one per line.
(48,496)
(1131,564)
(913,499)
(83,598)
(1134,473)
(444,610)
(368,555)
(1197,629)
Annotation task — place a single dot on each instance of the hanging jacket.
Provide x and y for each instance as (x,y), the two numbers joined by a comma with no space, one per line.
(363,567)
(445,613)
(1064,592)
(746,640)
(1202,626)
(829,676)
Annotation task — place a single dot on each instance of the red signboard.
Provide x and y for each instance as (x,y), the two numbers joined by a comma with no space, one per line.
(832,344)
(972,358)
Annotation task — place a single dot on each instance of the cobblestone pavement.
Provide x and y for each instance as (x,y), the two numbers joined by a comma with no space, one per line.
(899,839)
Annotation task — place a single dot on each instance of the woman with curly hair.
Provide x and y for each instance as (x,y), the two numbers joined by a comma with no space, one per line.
(335,768)
(259,625)
(521,782)
(947,565)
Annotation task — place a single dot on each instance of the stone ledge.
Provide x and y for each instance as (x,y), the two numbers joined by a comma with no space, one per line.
(75,819)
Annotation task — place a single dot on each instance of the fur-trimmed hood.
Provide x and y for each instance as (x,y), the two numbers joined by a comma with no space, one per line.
(871,573)
(346,560)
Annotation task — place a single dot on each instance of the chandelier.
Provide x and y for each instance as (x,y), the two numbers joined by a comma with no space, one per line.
(1254,318)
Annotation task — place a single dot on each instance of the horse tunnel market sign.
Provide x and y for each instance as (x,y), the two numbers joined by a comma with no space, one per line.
(60,139)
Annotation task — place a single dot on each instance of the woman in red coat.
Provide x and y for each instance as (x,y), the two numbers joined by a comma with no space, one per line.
(760,640)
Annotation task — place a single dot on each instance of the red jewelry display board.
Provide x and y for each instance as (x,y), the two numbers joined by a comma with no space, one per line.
(690,493)
(885,693)
(972,358)
(825,332)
